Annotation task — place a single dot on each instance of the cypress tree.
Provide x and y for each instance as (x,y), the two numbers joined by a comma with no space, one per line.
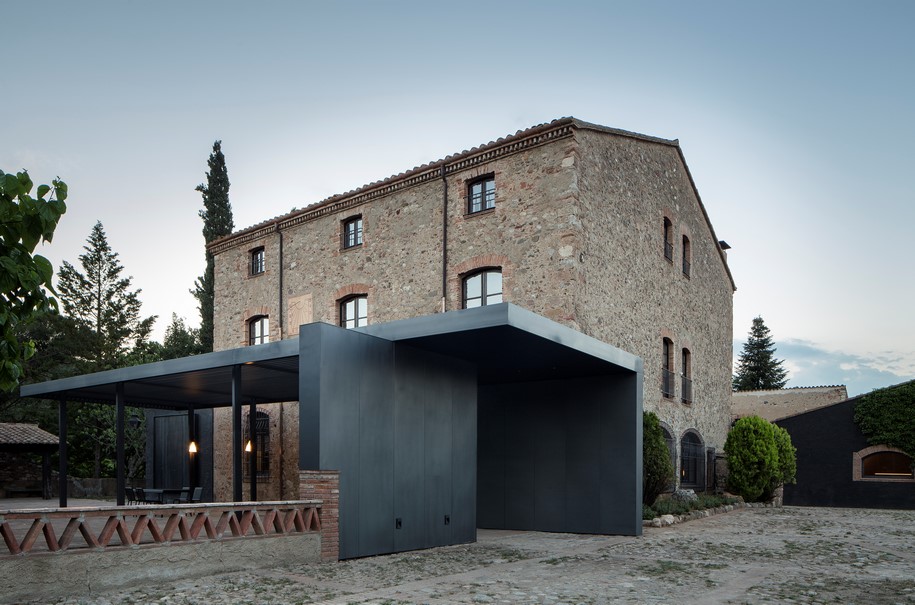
(757,367)
(217,222)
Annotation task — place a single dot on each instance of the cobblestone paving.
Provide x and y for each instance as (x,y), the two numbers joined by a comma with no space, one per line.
(773,555)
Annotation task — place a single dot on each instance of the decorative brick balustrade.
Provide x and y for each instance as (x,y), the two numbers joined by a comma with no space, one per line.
(108,528)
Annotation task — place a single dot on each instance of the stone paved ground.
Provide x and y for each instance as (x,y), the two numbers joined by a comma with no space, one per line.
(774,555)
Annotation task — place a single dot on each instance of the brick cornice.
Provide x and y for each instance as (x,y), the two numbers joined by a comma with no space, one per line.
(520,141)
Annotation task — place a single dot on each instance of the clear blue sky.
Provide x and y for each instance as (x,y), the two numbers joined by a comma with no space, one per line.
(796,119)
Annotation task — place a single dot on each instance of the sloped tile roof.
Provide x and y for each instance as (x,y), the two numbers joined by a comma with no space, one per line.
(13,433)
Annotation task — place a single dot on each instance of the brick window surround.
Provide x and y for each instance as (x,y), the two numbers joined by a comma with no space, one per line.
(457,273)
(857,459)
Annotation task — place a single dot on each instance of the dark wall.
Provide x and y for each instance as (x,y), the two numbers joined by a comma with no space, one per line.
(559,456)
(400,426)
(825,440)
(166,450)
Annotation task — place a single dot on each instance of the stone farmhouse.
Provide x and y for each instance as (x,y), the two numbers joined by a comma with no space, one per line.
(598,229)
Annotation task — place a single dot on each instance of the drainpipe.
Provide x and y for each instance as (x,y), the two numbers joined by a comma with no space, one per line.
(444,239)
(280,308)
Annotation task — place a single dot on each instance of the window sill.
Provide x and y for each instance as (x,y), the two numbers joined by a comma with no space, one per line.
(479,212)
(256,275)
(886,479)
(351,248)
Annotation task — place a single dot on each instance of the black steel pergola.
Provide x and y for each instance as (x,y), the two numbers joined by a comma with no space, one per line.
(265,373)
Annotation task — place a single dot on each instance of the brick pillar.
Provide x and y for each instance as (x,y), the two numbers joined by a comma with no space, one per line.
(324,486)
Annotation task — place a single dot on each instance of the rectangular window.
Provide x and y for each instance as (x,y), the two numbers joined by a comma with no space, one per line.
(257,261)
(481,195)
(352,232)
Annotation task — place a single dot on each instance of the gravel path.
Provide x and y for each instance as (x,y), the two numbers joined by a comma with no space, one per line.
(762,555)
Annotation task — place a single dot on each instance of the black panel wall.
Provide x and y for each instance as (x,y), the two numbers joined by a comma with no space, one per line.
(825,440)
(559,456)
(166,450)
(400,426)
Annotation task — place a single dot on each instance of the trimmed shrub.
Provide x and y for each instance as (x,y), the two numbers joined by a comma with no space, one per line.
(787,462)
(657,471)
(754,467)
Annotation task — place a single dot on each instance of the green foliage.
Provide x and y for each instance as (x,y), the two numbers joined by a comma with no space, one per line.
(102,300)
(180,340)
(757,368)
(669,506)
(760,458)
(24,222)
(657,470)
(92,449)
(787,460)
(887,416)
(217,222)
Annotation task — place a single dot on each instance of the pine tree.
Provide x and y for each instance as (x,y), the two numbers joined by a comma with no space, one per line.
(108,311)
(757,367)
(102,300)
(217,222)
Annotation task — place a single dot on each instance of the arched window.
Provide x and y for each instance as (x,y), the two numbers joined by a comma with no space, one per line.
(668,239)
(667,368)
(886,465)
(686,388)
(483,288)
(687,256)
(692,461)
(259,451)
(258,330)
(354,311)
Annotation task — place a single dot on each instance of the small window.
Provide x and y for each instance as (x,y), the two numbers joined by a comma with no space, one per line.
(667,368)
(257,261)
(481,195)
(259,330)
(686,391)
(668,239)
(483,288)
(886,465)
(352,232)
(687,256)
(354,312)
(260,450)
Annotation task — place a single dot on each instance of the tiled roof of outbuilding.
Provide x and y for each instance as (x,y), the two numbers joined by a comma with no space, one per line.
(12,433)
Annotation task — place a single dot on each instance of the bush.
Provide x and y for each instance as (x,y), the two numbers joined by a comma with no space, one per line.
(657,471)
(670,506)
(760,458)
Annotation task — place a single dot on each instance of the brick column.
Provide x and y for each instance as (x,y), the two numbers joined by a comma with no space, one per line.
(324,486)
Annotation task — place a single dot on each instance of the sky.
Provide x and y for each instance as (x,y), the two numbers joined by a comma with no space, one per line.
(796,120)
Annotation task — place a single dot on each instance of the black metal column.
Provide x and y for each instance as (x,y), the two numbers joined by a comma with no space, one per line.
(120,481)
(252,455)
(62,448)
(236,434)
(191,455)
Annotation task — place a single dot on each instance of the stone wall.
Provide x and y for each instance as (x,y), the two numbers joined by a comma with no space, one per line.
(632,296)
(48,577)
(775,404)
(576,229)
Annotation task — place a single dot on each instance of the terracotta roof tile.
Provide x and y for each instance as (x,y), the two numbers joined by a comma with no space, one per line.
(25,434)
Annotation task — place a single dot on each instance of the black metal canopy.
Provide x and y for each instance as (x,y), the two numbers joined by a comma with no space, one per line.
(269,373)
(504,341)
